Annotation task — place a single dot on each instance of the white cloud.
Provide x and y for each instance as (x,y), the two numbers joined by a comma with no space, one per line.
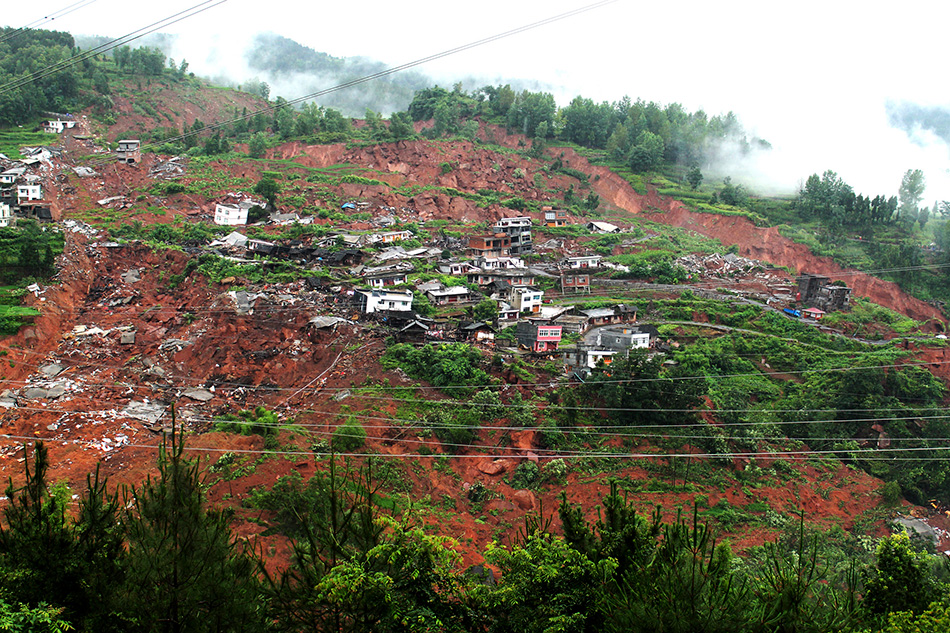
(811,77)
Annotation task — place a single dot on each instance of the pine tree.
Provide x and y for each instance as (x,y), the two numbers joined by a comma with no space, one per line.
(47,558)
(185,572)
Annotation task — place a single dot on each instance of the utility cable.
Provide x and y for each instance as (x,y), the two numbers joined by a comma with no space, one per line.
(385,73)
(108,46)
(46,18)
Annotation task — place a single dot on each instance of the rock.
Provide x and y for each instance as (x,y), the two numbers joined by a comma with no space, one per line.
(525,500)
(127,338)
(495,467)
(7,399)
(523,440)
(35,393)
(131,276)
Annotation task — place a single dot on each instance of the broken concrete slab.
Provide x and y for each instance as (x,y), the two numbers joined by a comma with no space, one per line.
(56,391)
(131,276)
(7,399)
(916,526)
(127,338)
(148,412)
(85,172)
(35,393)
(175,344)
(52,370)
(201,395)
(155,370)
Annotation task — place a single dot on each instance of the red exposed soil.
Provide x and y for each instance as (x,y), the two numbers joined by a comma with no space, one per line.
(180,104)
(762,243)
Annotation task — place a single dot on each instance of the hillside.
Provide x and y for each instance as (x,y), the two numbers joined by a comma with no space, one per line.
(264,359)
(193,337)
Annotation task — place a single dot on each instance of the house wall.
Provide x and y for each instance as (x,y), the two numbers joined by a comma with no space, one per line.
(229,215)
(29,192)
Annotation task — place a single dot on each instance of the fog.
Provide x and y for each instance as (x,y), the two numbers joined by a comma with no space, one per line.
(829,85)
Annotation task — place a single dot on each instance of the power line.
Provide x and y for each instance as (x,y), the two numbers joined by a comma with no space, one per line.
(548,384)
(387,72)
(46,18)
(108,46)
(873,454)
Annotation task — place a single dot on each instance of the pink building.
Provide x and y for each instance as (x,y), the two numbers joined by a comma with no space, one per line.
(538,337)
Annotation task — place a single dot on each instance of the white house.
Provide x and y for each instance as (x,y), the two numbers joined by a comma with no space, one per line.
(6,214)
(29,192)
(128,151)
(10,176)
(57,127)
(453,294)
(379,300)
(602,227)
(525,299)
(584,261)
(388,237)
(230,214)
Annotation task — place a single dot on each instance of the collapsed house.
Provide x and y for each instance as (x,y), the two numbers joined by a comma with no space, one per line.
(817,291)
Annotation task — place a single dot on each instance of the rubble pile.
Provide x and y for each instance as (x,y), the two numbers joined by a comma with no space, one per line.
(740,275)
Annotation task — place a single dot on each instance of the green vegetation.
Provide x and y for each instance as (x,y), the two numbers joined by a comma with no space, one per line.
(172,560)
(448,364)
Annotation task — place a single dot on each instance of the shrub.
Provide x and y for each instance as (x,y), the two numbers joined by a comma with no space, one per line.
(554,471)
(526,475)
(348,437)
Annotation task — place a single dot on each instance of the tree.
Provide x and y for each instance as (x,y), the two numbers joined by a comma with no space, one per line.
(184,571)
(349,436)
(45,557)
(256,145)
(24,619)
(694,177)
(641,390)
(400,125)
(485,310)
(268,188)
(547,585)
(733,195)
(900,579)
(592,201)
(640,160)
(910,194)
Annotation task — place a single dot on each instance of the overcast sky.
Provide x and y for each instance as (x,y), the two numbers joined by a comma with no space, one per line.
(811,77)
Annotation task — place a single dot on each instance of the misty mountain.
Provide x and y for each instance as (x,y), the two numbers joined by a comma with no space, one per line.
(913,118)
(294,70)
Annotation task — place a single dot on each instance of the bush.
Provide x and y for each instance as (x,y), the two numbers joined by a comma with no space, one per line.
(554,471)
(891,493)
(348,437)
(526,475)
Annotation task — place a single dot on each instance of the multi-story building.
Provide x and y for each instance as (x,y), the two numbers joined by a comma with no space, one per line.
(519,230)
(539,337)
(495,245)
